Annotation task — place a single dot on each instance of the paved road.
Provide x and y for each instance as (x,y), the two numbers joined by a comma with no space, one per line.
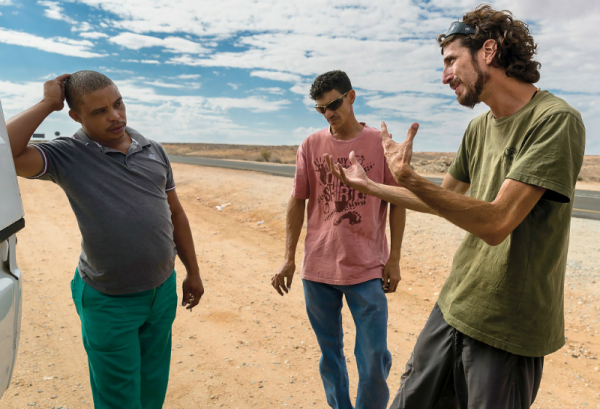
(587,203)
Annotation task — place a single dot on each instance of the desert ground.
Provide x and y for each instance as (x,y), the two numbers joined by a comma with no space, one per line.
(245,346)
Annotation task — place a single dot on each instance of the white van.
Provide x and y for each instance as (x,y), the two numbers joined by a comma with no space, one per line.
(11,221)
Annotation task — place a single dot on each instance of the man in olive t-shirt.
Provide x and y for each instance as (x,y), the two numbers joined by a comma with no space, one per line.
(501,308)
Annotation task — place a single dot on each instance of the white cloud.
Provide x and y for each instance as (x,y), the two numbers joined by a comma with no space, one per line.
(83,26)
(142,61)
(164,84)
(253,104)
(132,90)
(362,19)
(387,47)
(158,116)
(302,132)
(270,90)
(170,44)
(193,118)
(50,76)
(277,76)
(234,86)
(5,2)
(542,10)
(55,11)
(188,76)
(116,71)
(58,45)
(17,97)
(93,35)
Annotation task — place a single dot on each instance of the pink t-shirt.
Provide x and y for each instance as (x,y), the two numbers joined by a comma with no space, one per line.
(345,238)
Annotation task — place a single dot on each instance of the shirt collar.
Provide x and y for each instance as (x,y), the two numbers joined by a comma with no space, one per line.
(137,139)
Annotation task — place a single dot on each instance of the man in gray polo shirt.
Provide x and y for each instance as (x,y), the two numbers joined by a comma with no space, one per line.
(121,188)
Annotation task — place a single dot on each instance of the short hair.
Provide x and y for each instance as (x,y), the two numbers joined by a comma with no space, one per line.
(82,83)
(516,47)
(332,80)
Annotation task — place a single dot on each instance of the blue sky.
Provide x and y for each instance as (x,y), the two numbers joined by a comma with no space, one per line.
(239,71)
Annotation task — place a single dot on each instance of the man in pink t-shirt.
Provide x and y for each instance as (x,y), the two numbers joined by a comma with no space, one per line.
(346,251)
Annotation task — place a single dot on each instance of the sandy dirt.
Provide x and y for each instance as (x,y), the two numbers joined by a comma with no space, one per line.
(245,346)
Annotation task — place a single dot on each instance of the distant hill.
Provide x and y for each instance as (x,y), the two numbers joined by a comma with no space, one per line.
(423,162)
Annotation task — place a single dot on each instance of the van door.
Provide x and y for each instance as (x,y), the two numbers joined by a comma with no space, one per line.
(11,221)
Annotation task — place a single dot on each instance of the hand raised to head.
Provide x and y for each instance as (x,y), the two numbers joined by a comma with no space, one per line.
(398,155)
(353,176)
(54,92)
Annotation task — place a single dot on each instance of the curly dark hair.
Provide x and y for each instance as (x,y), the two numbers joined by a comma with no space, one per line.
(516,47)
(337,80)
(82,83)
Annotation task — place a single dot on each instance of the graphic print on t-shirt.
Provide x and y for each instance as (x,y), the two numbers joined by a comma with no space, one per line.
(336,199)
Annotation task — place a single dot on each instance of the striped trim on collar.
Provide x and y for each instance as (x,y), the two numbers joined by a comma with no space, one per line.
(136,138)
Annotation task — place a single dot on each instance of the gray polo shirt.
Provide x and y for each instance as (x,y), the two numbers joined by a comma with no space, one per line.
(120,202)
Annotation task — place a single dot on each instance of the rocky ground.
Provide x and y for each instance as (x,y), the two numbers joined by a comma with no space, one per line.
(245,346)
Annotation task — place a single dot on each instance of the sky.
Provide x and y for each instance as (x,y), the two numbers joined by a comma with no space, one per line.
(239,71)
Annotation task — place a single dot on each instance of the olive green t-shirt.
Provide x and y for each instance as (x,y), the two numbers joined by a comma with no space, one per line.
(511,296)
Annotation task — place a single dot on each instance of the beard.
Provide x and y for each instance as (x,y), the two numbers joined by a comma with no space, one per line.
(473,91)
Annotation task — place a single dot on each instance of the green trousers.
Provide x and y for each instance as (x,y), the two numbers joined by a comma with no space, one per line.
(128,342)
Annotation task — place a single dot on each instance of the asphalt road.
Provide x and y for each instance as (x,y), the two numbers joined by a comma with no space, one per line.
(587,202)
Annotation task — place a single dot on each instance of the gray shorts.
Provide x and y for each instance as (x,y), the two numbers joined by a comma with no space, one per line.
(448,369)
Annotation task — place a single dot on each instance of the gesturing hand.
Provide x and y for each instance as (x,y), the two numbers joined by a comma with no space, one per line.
(282,280)
(398,155)
(54,92)
(354,176)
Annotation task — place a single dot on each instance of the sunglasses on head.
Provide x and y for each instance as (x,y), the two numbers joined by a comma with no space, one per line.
(333,105)
(458,27)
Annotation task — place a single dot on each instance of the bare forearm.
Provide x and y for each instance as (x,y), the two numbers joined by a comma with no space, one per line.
(398,196)
(182,234)
(293,227)
(22,126)
(475,216)
(478,217)
(397,224)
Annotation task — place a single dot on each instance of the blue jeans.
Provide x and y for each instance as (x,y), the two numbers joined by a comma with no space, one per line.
(368,305)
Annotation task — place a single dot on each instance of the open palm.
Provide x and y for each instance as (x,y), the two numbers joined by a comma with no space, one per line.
(353,176)
(398,155)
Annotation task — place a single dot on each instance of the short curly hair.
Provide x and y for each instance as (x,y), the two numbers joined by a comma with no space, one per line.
(82,83)
(337,80)
(516,47)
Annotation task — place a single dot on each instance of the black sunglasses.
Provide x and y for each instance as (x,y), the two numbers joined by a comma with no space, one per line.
(458,27)
(333,105)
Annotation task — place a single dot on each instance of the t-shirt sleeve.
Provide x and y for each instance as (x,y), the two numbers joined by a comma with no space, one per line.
(301,189)
(459,169)
(551,156)
(170,185)
(57,158)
